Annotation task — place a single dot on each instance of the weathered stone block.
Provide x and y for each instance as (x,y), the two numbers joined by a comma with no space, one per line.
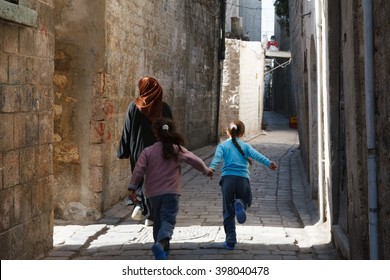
(41,196)
(17,70)
(97,155)
(44,160)
(15,236)
(26,93)
(7,209)
(21,249)
(46,129)
(4,243)
(28,164)
(3,68)
(32,129)
(11,169)
(31,71)
(42,98)
(10,99)
(40,229)
(44,44)
(66,153)
(46,21)
(46,70)
(96,179)
(19,130)
(22,203)
(6,132)
(10,39)
(27,42)
(1,171)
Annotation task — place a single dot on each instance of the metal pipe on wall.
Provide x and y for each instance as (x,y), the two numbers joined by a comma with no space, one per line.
(318,23)
(370,128)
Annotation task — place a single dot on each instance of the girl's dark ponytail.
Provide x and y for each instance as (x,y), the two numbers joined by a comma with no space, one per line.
(238,128)
(165,131)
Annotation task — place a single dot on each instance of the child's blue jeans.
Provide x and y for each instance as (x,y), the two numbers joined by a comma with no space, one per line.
(233,188)
(165,208)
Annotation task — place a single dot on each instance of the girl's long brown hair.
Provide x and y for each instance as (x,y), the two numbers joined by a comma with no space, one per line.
(165,131)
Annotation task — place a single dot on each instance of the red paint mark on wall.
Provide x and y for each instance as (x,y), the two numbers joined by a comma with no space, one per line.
(43,29)
(99,128)
(102,132)
(102,83)
(108,137)
(108,110)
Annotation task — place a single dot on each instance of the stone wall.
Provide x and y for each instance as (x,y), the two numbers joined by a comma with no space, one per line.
(355,141)
(82,113)
(299,78)
(102,50)
(348,171)
(303,87)
(242,86)
(382,65)
(26,128)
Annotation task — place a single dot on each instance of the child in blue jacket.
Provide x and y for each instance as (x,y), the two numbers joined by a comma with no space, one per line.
(236,190)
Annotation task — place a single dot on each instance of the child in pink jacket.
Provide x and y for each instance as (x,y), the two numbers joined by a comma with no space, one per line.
(161,166)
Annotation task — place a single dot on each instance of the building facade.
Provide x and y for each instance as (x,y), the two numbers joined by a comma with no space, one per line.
(69,69)
(26,128)
(242,90)
(339,71)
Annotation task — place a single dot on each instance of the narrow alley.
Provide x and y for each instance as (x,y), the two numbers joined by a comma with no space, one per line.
(281,223)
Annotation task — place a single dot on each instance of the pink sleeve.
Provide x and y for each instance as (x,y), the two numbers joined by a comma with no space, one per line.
(139,169)
(193,160)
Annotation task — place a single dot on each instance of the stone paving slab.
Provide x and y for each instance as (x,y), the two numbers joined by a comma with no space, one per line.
(281,224)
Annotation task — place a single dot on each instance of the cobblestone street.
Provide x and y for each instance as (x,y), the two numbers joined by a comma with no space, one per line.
(281,223)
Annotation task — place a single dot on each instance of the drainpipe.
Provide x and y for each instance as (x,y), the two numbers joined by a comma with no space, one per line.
(221,57)
(318,23)
(223,25)
(326,118)
(369,85)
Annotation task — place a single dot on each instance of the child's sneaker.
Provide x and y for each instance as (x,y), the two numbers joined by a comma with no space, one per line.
(148,223)
(240,211)
(158,251)
(137,213)
(228,246)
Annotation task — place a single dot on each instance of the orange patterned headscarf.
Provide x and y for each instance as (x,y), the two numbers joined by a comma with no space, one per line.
(150,100)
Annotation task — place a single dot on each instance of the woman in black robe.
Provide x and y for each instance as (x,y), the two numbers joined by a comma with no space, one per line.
(137,132)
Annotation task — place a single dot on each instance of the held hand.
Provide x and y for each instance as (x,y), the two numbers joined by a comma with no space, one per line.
(273,166)
(210,173)
(133,196)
